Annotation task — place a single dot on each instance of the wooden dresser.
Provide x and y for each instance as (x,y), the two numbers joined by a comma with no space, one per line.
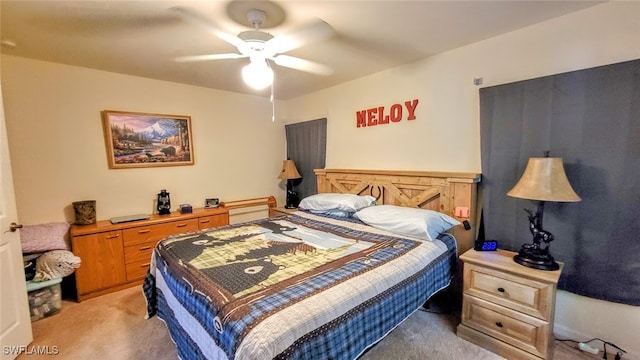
(117,256)
(508,308)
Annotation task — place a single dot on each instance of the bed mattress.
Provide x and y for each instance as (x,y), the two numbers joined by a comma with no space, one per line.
(298,286)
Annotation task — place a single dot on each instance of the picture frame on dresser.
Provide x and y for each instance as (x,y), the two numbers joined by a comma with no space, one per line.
(211,203)
(135,139)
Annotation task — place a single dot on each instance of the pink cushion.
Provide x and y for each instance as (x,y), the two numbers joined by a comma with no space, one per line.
(44,237)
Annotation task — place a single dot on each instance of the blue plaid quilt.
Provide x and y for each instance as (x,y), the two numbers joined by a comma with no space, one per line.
(297,286)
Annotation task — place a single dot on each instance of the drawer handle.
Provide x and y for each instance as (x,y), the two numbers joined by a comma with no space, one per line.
(181,225)
(145,248)
(499,324)
(205,221)
(144,265)
(113,236)
(143,231)
(500,289)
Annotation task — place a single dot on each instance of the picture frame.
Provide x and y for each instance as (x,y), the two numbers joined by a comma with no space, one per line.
(211,203)
(138,140)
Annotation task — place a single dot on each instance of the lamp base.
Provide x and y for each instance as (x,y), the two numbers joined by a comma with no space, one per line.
(292,200)
(536,259)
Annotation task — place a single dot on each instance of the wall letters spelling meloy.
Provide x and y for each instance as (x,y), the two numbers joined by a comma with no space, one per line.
(377,116)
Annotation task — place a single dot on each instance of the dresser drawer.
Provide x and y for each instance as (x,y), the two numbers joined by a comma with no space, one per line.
(138,252)
(525,332)
(515,292)
(145,234)
(138,270)
(213,221)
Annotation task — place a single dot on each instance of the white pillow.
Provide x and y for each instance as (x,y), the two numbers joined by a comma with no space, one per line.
(420,223)
(337,213)
(349,203)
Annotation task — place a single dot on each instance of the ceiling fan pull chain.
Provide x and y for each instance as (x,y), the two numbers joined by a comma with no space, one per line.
(273,103)
(273,106)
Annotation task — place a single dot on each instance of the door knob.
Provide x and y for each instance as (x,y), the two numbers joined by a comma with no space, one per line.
(13,227)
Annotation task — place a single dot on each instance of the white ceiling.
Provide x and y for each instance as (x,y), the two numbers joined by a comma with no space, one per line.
(143,37)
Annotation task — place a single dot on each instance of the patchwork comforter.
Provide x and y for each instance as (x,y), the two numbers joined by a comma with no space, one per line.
(295,286)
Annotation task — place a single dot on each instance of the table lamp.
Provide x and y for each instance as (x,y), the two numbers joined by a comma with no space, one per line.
(290,172)
(543,180)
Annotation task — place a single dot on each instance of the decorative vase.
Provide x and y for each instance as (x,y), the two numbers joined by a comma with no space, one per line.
(85,212)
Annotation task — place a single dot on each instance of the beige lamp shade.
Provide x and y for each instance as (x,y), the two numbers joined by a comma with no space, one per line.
(289,170)
(544,179)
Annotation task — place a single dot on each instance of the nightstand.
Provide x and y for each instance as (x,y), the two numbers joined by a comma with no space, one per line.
(280,211)
(508,308)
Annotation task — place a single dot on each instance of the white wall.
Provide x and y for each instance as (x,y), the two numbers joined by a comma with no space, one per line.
(445,136)
(58,149)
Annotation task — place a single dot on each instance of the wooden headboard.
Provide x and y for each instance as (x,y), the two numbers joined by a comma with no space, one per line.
(445,192)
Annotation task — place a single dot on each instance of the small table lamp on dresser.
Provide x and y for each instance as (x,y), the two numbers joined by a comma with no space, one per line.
(288,173)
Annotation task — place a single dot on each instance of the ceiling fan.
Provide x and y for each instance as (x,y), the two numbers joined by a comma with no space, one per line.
(261,47)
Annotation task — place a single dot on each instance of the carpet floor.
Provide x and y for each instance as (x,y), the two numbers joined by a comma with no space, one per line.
(113,327)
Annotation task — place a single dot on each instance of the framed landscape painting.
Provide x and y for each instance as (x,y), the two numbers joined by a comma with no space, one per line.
(137,140)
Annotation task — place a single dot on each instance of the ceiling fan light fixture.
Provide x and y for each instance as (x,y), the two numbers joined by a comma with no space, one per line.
(257,74)
(258,45)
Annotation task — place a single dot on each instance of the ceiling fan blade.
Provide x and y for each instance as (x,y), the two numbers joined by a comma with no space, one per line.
(302,64)
(208,25)
(208,57)
(315,31)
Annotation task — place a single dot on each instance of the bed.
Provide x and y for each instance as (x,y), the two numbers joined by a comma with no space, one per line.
(311,285)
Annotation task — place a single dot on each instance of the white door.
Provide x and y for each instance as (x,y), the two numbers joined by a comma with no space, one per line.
(15,323)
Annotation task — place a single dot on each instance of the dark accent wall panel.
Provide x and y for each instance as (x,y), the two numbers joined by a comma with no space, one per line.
(590,118)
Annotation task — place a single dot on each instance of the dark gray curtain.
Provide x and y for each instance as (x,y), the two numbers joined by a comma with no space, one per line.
(591,118)
(307,147)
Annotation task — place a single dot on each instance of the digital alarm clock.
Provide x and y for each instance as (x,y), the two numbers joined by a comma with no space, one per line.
(186,209)
(486,245)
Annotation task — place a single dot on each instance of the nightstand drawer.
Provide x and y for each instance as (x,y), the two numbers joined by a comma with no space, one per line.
(143,234)
(515,292)
(525,332)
